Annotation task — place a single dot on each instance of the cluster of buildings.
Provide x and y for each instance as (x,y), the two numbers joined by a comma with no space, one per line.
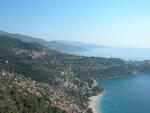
(57,95)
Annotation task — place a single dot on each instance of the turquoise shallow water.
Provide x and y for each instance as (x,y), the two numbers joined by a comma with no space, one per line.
(126,95)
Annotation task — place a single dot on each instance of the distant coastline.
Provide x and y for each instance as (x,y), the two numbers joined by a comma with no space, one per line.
(95,101)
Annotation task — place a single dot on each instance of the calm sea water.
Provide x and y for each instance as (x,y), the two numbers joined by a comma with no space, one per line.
(123,53)
(126,95)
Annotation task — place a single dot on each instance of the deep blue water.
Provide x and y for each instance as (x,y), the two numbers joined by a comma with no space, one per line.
(126,95)
(123,53)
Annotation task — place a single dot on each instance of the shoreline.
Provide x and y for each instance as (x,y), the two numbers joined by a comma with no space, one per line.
(95,101)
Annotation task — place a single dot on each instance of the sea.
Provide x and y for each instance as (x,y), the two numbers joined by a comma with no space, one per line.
(124,95)
(138,54)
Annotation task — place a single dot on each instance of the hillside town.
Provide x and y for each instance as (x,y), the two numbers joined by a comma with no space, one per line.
(57,95)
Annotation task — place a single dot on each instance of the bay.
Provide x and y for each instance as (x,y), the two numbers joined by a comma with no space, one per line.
(126,95)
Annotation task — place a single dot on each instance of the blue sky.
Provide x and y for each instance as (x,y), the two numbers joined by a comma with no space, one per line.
(123,23)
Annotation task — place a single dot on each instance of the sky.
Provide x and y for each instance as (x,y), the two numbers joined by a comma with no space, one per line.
(118,23)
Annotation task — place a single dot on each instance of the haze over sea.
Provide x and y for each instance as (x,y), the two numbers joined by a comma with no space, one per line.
(123,53)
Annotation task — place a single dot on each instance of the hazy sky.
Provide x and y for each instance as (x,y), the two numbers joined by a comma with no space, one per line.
(123,23)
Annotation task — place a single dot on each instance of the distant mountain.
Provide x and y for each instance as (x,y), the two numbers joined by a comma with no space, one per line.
(62,46)
(65,47)
(87,46)
(45,78)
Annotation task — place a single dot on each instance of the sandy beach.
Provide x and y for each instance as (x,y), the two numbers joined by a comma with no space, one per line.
(95,101)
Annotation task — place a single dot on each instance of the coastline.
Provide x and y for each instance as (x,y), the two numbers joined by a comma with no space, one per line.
(95,101)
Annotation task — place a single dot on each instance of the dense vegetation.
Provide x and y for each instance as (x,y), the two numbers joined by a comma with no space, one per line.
(45,65)
(13,100)
(50,65)
(22,63)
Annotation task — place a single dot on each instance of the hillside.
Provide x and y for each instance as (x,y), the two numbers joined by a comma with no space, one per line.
(64,89)
(15,97)
(42,64)
(62,46)
(66,78)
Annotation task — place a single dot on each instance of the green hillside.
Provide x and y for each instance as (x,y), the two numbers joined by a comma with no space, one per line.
(13,99)
(66,78)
